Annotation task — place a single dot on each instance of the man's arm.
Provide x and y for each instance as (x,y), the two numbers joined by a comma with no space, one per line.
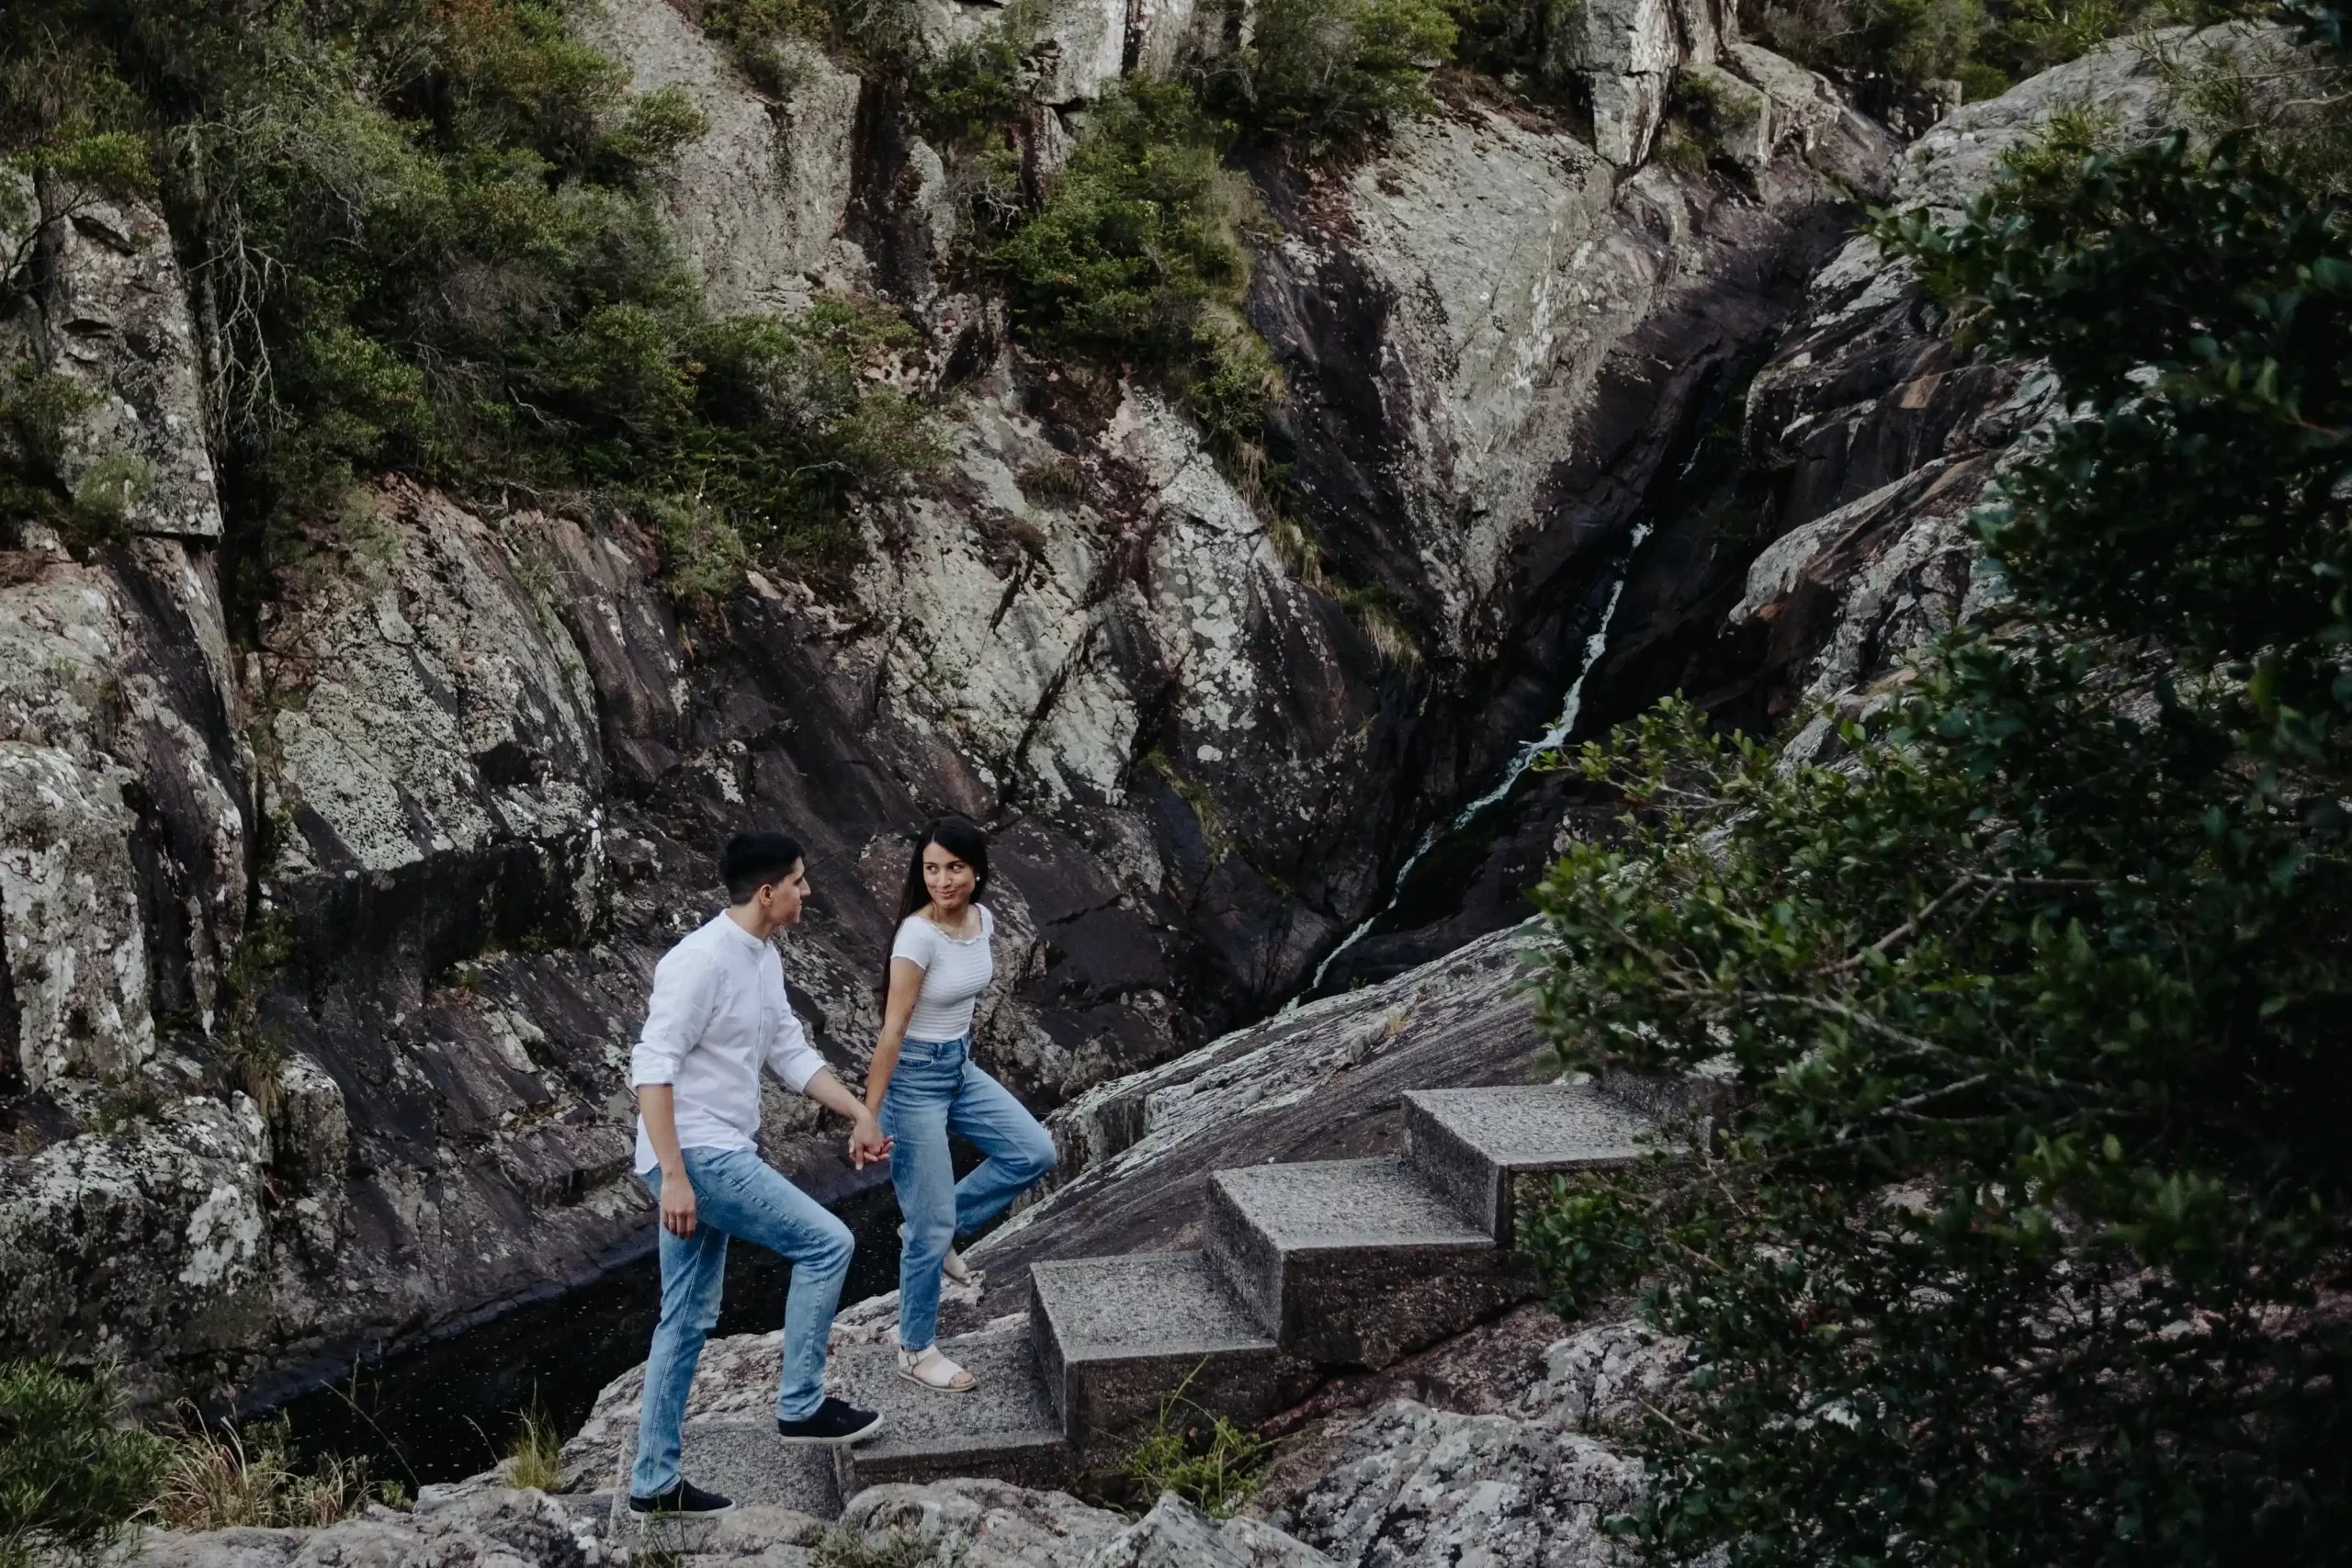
(658,1103)
(792,1058)
(683,989)
(866,1143)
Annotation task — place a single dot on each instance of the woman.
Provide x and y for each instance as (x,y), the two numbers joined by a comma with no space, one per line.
(923,1086)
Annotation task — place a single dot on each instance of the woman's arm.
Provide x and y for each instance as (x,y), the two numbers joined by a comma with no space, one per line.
(866,1143)
(905,982)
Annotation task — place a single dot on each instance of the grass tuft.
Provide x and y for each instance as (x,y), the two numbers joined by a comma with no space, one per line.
(224,1477)
(537,1458)
(1201,1457)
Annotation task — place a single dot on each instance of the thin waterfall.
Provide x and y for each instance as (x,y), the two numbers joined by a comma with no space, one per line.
(1553,738)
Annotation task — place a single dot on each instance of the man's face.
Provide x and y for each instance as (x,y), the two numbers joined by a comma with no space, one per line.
(780,903)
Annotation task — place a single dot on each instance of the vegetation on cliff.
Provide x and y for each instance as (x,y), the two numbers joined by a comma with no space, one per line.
(2028,1241)
(424,236)
(1985,45)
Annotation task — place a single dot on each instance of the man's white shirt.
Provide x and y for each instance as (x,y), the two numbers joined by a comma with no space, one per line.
(719,1013)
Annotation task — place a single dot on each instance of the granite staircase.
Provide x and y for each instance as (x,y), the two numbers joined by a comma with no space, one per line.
(1308,1268)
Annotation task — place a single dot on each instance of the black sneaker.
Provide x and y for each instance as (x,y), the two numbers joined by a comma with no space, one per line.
(836,1421)
(686,1500)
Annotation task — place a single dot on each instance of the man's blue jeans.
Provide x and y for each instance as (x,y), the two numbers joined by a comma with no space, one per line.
(936,1090)
(737,1193)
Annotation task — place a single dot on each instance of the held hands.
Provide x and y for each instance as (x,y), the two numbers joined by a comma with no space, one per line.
(677,1203)
(867,1143)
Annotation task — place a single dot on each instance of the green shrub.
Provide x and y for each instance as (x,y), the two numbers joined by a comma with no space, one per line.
(967,94)
(1510,40)
(2026,1242)
(1332,76)
(35,412)
(1980,82)
(1682,148)
(73,1472)
(1592,1237)
(1986,44)
(703,557)
(764,38)
(874,38)
(1136,259)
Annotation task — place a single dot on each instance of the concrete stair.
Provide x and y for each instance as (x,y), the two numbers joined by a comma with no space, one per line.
(1308,1268)
(1355,1263)
(1116,1337)
(1473,1143)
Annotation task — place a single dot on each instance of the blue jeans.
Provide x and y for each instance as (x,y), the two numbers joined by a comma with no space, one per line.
(936,1090)
(737,1193)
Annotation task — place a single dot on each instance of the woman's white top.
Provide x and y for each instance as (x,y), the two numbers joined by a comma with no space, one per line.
(956,970)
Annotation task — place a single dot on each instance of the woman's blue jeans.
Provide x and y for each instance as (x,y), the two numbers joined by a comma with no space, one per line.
(936,1090)
(737,1193)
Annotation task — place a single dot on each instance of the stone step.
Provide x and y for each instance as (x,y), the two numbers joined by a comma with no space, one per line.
(1355,1262)
(1117,1336)
(1005,1428)
(739,1457)
(1473,1142)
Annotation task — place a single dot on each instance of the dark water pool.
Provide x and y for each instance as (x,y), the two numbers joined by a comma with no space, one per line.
(450,1407)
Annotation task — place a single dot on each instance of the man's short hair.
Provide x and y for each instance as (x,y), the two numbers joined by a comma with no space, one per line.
(750,860)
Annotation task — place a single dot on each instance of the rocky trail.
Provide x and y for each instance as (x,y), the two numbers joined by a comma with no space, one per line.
(1307,1267)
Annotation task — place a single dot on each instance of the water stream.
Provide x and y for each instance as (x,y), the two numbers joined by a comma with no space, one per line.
(1556,735)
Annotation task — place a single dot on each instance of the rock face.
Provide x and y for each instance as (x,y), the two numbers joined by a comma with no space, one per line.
(113,322)
(325,941)
(758,202)
(1886,437)
(1527,1485)
(1819,535)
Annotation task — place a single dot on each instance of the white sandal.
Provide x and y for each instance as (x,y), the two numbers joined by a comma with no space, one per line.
(953,1264)
(935,1372)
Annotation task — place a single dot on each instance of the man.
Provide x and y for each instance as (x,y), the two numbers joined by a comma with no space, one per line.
(717,1016)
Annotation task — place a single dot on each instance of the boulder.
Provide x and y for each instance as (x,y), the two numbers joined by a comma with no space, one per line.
(1624,52)
(76,952)
(112,317)
(1420,1485)
(140,1241)
(759,201)
(431,725)
(987,1524)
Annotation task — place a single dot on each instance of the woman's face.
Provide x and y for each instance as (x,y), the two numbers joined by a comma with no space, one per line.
(947,877)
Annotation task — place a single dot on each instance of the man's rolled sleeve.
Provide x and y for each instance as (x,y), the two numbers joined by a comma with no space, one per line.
(684,986)
(790,1057)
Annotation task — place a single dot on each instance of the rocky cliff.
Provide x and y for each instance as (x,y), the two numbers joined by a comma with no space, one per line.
(326,935)
(1818,534)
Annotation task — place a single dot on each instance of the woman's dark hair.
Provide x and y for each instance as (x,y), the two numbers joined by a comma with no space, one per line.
(959,838)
